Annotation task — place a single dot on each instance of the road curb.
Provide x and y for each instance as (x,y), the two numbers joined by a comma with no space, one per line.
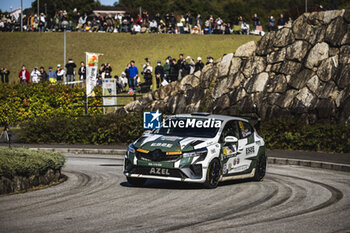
(83,150)
(309,163)
(271,160)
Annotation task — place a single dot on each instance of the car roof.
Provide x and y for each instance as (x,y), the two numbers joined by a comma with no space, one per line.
(224,118)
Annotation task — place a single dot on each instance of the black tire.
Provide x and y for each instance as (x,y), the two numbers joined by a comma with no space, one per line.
(213,174)
(136,181)
(260,169)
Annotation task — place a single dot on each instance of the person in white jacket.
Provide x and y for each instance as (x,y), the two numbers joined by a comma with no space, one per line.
(35,75)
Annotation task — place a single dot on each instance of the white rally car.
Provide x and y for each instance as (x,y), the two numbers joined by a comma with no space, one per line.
(198,147)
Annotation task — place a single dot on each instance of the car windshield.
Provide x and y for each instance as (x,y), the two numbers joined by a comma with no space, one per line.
(189,127)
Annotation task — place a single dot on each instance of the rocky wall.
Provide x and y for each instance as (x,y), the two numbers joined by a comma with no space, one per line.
(299,72)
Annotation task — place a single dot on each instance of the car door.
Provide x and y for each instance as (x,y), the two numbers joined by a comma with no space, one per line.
(229,150)
(246,144)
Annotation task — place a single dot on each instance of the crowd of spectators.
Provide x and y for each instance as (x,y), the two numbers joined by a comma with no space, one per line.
(171,70)
(169,23)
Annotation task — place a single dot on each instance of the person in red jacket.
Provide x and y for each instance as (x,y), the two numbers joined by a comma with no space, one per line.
(24,76)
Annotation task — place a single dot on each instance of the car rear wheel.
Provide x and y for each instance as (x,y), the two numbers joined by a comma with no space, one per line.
(260,169)
(213,174)
(136,181)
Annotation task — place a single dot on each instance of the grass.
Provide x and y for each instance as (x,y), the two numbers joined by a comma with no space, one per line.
(46,49)
(27,162)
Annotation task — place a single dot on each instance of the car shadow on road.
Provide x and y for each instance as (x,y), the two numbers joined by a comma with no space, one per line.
(111,165)
(164,184)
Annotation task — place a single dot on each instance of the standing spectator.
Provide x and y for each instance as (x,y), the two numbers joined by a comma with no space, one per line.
(219,23)
(122,81)
(199,65)
(52,75)
(35,75)
(256,21)
(70,71)
(240,20)
(281,22)
(290,22)
(133,74)
(174,70)
(199,23)
(271,23)
(99,81)
(210,60)
(159,72)
(147,66)
(5,75)
(189,22)
(82,74)
(43,75)
(185,68)
(181,24)
(101,71)
(24,75)
(108,71)
(166,68)
(42,23)
(60,73)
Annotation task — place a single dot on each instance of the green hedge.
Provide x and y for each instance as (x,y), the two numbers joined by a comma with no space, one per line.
(295,135)
(25,162)
(26,102)
(99,129)
(125,128)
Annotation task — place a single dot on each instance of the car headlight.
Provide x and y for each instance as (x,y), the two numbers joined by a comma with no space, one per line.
(200,152)
(131,148)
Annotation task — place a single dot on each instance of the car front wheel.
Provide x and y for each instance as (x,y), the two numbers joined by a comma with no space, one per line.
(213,174)
(260,169)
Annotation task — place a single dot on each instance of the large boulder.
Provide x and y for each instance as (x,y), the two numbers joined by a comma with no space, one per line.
(258,83)
(283,38)
(328,68)
(318,53)
(297,51)
(225,64)
(276,56)
(246,50)
(336,31)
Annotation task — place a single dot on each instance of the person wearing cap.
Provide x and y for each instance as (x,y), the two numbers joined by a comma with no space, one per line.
(70,71)
(159,73)
(35,75)
(43,75)
(60,73)
(210,60)
(52,75)
(24,76)
(122,81)
(199,65)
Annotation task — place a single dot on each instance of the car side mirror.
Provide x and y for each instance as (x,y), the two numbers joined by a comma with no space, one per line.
(231,139)
(147,132)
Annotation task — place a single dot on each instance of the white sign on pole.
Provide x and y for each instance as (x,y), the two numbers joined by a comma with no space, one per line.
(91,71)
(109,90)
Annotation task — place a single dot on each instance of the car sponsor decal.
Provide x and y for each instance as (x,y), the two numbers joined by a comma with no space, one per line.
(229,151)
(170,138)
(160,144)
(250,150)
(224,169)
(159,171)
(241,125)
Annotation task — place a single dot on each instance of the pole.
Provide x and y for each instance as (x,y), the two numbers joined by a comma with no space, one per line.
(21,15)
(140,8)
(306,6)
(86,103)
(64,50)
(38,7)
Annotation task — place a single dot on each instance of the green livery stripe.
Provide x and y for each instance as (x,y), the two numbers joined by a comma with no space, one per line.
(155,164)
(250,139)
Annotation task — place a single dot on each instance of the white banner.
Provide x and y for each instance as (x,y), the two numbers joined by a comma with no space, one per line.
(91,71)
(109,89)
(16,13)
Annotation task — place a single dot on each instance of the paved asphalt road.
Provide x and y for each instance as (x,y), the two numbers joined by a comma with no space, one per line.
(97,198)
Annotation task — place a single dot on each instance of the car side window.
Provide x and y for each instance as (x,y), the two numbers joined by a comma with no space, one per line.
(245,129)
(230,129)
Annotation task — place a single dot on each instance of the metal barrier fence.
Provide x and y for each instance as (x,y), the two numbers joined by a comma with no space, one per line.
(86,106)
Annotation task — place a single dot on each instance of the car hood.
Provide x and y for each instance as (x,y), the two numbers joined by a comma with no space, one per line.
(171,143)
